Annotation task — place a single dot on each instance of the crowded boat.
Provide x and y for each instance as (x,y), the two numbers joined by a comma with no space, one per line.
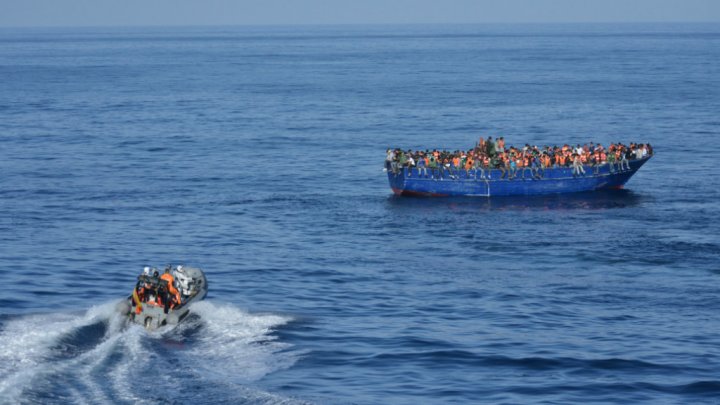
(513,162)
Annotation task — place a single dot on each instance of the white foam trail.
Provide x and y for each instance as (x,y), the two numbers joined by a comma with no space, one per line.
(89,367)
(226,345)
(135,358)
(238,346)
(27,342)
(24,343)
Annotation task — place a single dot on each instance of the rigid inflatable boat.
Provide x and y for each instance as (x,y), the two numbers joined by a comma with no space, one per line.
(159,299)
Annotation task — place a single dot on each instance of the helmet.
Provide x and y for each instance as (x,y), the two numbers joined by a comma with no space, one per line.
(146,270)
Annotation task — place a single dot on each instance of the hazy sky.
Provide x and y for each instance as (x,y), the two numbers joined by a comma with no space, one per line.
(15,13)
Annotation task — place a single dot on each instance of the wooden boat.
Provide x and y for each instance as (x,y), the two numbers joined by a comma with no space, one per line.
(491,182)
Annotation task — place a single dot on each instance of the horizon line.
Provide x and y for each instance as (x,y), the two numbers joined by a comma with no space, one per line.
(368,24)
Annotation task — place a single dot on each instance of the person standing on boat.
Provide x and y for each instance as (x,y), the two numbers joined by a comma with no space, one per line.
(490,144)
(481,144)
(389,159)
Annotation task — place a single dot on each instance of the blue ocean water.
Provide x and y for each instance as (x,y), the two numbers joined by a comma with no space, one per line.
(256,153)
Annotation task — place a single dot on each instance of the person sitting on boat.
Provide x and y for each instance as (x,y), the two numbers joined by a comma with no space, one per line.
(422,166)
(151,287)
(578,168)
(512,167)
(410,163)
(535,166)
(640,152)
(546,161)
(477,166)
(497,163)
(455,165)
(611,161)
(486,165)
(147,281)
(432,165)
(144,290)
(390,160)
(401,160)
(172,297)
(625,157)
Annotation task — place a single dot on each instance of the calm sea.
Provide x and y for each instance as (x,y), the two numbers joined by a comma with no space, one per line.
(257,154)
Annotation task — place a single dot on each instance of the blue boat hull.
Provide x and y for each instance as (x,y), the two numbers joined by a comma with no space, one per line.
(471,183)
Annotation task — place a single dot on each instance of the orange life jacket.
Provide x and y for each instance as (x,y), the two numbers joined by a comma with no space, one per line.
(171,288)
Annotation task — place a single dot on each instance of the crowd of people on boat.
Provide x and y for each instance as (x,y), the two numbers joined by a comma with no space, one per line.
(514,161)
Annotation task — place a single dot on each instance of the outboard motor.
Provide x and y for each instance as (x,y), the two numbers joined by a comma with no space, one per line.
(183,281)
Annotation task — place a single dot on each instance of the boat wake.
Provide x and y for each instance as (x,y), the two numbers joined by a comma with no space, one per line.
(96,357)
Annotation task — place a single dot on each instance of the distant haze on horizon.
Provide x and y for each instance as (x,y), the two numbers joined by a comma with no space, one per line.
(30,13)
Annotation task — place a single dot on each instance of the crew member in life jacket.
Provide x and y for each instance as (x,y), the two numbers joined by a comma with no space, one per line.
(144,289)
(172,296)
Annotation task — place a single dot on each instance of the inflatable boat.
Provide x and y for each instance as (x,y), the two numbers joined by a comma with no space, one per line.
(164,299)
